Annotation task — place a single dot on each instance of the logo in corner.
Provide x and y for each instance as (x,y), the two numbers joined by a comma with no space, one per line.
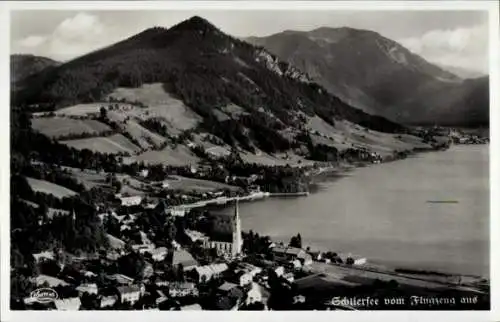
(44,295)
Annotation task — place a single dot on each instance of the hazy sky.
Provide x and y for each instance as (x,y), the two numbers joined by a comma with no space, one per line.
(454,38)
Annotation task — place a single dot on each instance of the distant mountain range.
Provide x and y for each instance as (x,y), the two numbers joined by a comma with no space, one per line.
(380,76)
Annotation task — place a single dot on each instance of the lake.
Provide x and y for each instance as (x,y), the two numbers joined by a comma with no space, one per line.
(383,213)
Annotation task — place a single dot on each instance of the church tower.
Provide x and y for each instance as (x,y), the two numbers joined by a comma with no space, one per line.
(237,240)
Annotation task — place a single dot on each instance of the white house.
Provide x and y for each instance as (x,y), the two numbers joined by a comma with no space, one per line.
(130,293)
(131,201)
(144,173)
(254,295)
(159,254)
(208,272)
(280,271)
(107,301)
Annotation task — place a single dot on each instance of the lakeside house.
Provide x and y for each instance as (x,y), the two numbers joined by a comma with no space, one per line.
(287,253)
(356,259)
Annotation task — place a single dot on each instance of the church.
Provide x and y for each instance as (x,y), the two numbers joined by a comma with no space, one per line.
(227,245)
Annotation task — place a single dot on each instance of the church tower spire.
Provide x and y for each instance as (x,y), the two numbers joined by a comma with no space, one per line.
(237,240)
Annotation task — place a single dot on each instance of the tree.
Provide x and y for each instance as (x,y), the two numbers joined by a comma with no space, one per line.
(103,113)
(349,261)
(296,241)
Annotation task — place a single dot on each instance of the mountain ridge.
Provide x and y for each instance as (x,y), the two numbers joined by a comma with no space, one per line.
(370,71)
(242,94)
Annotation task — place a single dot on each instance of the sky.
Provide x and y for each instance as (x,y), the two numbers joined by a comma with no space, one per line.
(452,38)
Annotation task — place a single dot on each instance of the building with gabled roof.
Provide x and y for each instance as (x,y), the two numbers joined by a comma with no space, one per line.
(208,272)
(130,293)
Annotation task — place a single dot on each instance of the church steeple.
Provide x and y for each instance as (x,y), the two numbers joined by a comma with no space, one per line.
(237,240)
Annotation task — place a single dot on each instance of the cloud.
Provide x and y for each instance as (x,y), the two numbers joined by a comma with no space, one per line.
(459,47)
(32,41)
(74,36)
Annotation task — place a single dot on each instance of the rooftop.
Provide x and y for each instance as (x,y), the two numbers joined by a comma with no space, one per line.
(128,289)
(227,286)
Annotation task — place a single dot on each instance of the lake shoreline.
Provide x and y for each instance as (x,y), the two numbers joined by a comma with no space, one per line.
(325,181)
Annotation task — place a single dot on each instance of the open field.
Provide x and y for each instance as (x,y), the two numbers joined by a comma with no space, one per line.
(88,178)
(189,184)
(55,127)
(146,138)
(116,143)
(50,188)
(275,160)
(360,276)
(346,135)
(160,104)
(85,109)
(168,156)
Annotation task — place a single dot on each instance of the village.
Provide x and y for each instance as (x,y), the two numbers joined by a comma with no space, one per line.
(184,258)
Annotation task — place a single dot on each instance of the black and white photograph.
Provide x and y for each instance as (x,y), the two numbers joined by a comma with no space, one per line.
(248,159)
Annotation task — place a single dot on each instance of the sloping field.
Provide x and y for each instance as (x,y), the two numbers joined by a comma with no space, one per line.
(88,178)
(346,134)
(277,160)
(176,116)
(113,144)
(50,188)
(55,127)
(189,184)
(168,156)
(145,138)
(85,109)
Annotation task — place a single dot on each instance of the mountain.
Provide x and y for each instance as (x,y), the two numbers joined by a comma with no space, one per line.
(463,73)
(377,74)
(23,66)
(228,88)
